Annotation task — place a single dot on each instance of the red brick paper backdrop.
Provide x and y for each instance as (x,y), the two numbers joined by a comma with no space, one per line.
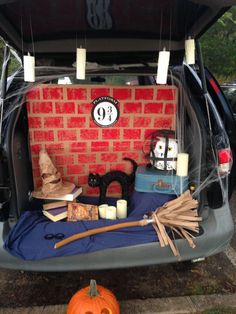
(60,120)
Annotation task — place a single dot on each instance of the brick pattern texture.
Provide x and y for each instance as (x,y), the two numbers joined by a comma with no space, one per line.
(59,118)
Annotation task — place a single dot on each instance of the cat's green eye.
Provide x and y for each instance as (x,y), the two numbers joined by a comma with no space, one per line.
(169,148)
(160,147)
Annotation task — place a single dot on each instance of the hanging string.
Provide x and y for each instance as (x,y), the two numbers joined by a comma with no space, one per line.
(85,41)
(163,60)
(76,31)
(21,33)
(85,37)
(29,60)
(76,40)
(195,18)
(32,37)
(188,14)
(161,25)
(170,34)
(76,21)
(171,74)
(22,30)
(80,54)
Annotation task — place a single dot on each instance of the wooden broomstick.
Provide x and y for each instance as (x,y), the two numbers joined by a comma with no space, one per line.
(179,215)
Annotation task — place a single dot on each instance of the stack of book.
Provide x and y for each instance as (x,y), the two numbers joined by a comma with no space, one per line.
(57,210)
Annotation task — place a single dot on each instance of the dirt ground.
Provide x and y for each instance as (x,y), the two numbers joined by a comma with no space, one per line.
(216,274)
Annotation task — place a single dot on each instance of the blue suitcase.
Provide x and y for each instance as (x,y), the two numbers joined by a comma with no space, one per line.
(152,180)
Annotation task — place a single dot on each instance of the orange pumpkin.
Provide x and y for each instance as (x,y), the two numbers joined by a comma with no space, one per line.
(93,299)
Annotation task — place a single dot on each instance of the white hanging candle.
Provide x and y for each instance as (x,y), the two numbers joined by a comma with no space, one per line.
(121,209)
(29,68)
(163,65)
(190,51)
(80,63)
(182,165)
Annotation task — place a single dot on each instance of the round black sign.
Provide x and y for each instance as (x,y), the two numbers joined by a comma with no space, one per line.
(105,111)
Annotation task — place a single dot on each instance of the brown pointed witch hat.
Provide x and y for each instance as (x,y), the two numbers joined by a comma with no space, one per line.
(52,184)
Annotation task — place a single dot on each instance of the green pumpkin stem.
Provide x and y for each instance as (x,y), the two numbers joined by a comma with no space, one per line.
(93,291)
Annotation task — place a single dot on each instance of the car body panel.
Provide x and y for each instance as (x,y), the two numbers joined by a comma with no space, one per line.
(218,229)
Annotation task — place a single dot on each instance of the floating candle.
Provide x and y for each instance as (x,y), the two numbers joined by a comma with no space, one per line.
(111,212)
(80,63)
(163,65)
(190,51)
(182,165)
(121,208)
(102,210)
(29,68)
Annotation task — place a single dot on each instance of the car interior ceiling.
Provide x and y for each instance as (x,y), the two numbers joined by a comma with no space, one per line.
(21,24)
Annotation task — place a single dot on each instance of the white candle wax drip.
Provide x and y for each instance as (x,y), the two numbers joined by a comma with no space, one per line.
(121,209)
(80,63)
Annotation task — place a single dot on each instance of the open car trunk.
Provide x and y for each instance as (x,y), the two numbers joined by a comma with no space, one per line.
(58,118)
(121,44)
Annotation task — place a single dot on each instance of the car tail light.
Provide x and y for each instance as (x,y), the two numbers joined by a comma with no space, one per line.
(225,160)
(214,86)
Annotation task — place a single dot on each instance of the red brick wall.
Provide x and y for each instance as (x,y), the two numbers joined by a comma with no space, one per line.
(60,120)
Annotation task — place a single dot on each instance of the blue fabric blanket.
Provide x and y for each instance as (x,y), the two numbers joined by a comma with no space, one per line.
(26,240)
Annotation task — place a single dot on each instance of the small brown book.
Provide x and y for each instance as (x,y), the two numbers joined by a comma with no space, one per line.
(79,211)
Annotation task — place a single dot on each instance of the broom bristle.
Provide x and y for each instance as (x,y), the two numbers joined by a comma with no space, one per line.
(180,215)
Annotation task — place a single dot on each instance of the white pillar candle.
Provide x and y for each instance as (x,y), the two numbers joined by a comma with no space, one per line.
(190,51)
(182,165)
(102,210)
(80,63)
(111,212)
(121,208)
(163,65)
(29,68)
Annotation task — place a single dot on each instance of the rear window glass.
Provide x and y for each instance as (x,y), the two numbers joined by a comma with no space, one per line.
(102,80)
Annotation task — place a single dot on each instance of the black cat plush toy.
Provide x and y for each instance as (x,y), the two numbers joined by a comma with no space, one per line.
(105,180)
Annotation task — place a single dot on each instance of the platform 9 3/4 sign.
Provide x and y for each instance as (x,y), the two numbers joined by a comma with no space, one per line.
(105,111)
